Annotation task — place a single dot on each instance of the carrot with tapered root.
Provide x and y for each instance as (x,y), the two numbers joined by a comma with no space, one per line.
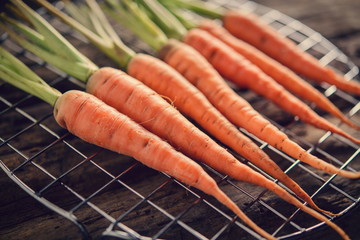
(202,75)
(284,50)
(250,28)
(167,82)
(277,71)
(97,123)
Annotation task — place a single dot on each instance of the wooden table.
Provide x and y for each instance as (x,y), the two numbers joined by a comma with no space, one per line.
(22,217)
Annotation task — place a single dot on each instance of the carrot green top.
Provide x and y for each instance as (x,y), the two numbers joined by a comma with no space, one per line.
(150,20)
(46,42)
(130,14)
(89,20)
(163,18)
(203,8)
(18,74)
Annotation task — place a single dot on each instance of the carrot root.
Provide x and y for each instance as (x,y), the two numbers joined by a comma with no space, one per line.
(221,197)
(277,71)
(251,29)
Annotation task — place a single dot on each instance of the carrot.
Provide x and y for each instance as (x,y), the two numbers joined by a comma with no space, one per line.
(284,50)
(86,116)
(277,71)
(167,82)
(200,73)
(242,72)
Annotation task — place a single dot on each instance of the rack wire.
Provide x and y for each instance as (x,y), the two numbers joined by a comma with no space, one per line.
(110,195)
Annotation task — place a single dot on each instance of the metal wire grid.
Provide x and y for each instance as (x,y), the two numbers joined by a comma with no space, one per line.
(109,195)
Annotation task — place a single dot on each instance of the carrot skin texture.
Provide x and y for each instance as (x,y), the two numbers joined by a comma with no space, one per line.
(277,71)
(95,122)
(242,72)
(251,29)
(188,99)
(202,75)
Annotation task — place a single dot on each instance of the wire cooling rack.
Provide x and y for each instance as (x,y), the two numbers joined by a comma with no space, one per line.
(110,195)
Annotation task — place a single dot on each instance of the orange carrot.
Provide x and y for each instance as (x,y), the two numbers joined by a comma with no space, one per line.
(200,73)
(277,71)
(242,72)
(251,29)
(93,121)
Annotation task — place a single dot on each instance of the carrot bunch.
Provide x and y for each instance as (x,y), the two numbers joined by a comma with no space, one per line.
(184,96)
(123,92)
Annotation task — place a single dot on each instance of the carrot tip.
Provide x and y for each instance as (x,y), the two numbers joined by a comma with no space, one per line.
(331,214)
